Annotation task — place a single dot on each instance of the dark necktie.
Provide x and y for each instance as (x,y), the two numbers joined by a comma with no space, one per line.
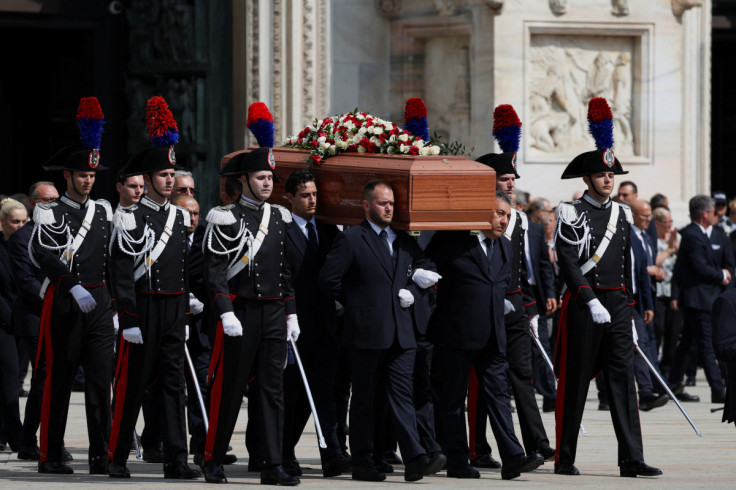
(489,251)
(312,237)
(384,238)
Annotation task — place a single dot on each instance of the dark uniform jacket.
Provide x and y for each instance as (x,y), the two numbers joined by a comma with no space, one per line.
(267,278)
(144,222)
(359,273)
(643,297)
(28,279)
(7,289)
(57,224)
(544,275)
(519,281)
(613,271)
(470,299)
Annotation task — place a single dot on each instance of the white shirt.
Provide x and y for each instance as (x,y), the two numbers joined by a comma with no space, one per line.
(391,235)
(302,224)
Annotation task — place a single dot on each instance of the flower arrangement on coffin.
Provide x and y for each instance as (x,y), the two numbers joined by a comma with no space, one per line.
(364,133)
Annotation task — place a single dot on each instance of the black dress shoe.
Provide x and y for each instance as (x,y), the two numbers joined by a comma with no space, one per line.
(383,467)
(690,381)
(56,468)
(180,471)
(391,457)
(652,401)
(633,469)
(466,471)
(547,453)
(98,466)
(548,405)
(291,466)
(367,472)
(336,466)
(521,464)
(117,471)
(422,466)
(566,469)
(255,466)
(604,407)
(275,475)
(718,397)
(153,456)
(66,456)
(29,453)
(229,459)
(213,473)
(684,396)
(485,461)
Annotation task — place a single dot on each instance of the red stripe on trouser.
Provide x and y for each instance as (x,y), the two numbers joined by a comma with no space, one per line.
(45,336)
(472,410)
(121,385)
(215,390)
(561,369)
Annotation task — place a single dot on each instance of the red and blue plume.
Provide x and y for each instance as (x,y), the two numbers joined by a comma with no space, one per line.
(260,123)
(415,118)
(600,123)
(90,120)
(507,128)
(162,129)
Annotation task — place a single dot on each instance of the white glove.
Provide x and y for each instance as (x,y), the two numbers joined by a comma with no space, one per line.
(424,278)
(292,327)
(195,305)
(115,323)
(186,332)
(633,331)
(534,322)
(231,325)
(508,307)
(85,300)
(133,335)
(598,311)
(406,299)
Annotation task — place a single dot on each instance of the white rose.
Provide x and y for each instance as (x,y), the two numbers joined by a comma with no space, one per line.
(349,125)
(360,116)
(425,151)
(435,150)
(332,149)
(363,130)
(361,149)
(322,139)
(324,145)
(404,148)
(392,138)
(419,143)
(404,137)
(341,144)
(377,130)
(375,140)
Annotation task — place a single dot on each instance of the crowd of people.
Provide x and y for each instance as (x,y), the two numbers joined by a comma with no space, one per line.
(396,335)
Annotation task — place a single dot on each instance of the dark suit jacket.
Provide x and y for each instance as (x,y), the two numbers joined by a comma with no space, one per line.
(698,274)
(643,297)
(28,279)
(358,272)
(7,289)
(315,310)
(542,268)
(470,300)
(724,341)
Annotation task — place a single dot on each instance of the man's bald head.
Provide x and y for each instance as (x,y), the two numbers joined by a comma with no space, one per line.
(642,212)
(190,204)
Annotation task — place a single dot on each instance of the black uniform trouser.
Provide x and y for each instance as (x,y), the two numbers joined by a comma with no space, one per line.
(378,369)
(423,402)
(199,351)
(32,417)
(320,365)
(450,372)
(160,358)
(263,346)
(583,350)
(519,355)
(9,407)
(544,380)
(71,337)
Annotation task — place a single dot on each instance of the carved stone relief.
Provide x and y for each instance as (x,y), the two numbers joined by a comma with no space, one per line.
(620,7)
(558,7)
(448,98)
(680,6)
(161,32)
(389,8)
(566,72)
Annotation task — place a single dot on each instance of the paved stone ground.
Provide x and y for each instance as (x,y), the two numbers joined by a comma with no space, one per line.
(688,461)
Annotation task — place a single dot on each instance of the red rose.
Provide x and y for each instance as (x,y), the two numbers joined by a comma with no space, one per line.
(314,143)
(414,150)
(317,159)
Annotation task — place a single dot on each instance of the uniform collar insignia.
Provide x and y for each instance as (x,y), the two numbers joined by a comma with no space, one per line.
(250,203)
(72,203)
(150,203)
(596,204)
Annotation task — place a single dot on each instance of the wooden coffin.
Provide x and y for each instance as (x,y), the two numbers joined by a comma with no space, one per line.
(430,192)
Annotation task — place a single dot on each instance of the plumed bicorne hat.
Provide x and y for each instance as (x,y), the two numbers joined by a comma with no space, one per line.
(164,134)
(507,132)
(602,159)
(260,123)
(83,156)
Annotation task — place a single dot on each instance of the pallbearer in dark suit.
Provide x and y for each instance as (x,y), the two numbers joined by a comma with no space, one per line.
(724,340)
(519,293)
(309,241)
(468,330)
(249,286)
(69,243)
(149,249)
(371,270)
(595,332)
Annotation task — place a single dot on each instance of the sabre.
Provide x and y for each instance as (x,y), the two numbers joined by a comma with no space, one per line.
(320,437)
(137,444)
(667,388)
(196,387)
(549,365)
